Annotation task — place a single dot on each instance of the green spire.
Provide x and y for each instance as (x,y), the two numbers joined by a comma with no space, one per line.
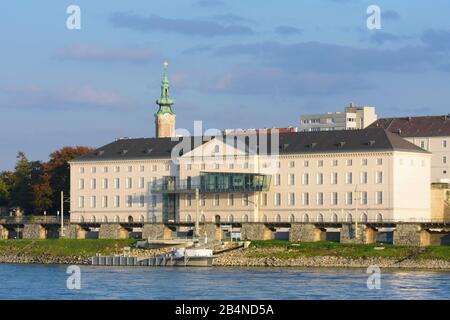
(165,103)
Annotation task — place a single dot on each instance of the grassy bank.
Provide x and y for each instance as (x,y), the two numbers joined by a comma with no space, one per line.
(291,250)
(63,247)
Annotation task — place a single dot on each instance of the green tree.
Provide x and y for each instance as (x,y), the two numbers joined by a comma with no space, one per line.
(4,194)
(22,193)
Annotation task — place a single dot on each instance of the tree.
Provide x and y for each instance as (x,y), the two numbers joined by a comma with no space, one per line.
(4,194)
(42,194)
(22,193)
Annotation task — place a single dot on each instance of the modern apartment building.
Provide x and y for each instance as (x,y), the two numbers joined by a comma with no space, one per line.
(346,175)
(431,133)
(351,118)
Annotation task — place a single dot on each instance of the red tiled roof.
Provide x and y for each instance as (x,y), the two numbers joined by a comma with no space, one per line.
(426,126)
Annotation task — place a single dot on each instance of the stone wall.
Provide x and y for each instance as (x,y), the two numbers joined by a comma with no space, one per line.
(34,231)
(153,231)
(256,231)
(302,232)
(407,234)
(352,234)
(112,231)
(211,231)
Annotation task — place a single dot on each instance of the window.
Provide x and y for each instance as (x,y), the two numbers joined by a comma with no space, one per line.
(334,178)
(141,183)
(422,144)
(216,166)
(245,165)
(154,167)
(444,159)
(117,201)
(349,198)
(81,170)
(231,200)
(105,183)
(320,198)
(444,143)
(379,197)
(349,178)
(93,202)
(277,181)
(117,169)
(334,163)
(167,167)
(320,163)
(154,181)
(305,198)
(154,200)
(81,202)
(292,164)
(203,166)
(291,178)
(277,199)
(245,199)
(363,198)
(93,170)
(364,177)
(379,177)
(231,166)
(320,178)
(81,184)
(130,168)
(129,183)
(364,162)
(116,183)
(349,162)
(334,198)
(189,200)
(189,167)
(203,200)
(216,199)
(105,169)
(105,202)
(141,168)
(306,163)
(264,199)
(291,199)
(379,161)
(93,184)
(306,178)
(141,201)
(129,201)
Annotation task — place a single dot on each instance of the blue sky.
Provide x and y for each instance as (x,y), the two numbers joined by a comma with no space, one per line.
(232,64)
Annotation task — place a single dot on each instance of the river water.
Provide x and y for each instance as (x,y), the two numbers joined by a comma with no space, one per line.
(50,282)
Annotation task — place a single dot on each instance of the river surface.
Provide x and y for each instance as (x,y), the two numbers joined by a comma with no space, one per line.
(50,282)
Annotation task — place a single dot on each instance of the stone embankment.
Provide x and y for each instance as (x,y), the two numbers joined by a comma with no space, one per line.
(252,257)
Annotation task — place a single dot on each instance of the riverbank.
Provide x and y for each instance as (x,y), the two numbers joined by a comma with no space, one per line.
(329,254)
(273,253)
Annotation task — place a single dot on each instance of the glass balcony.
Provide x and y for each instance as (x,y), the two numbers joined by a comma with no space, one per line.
(216,182)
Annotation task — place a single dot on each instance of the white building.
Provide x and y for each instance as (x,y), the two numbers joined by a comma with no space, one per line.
(431,133)
(351,118)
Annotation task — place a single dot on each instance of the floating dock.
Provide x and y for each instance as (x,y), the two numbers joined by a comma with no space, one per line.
(164,260)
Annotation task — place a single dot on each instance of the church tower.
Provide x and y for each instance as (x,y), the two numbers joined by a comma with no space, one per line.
(165,117)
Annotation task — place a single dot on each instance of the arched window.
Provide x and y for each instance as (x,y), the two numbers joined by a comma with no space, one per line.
(349,217)
(130,219)
(217,219)
(141,218)
(264,218)
(364,217)
(277,218)
(320,218)
(81,219)
(116,219)
(379,217)
(245,218)
(188,218)
(306,217)
(291,218)
(230,218)
(334,218)
(105,219)
(202,218)
(153,218)
(93,219)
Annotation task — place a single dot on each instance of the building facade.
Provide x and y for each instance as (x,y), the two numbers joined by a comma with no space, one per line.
(431,133)
(352,118)
(354,175)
